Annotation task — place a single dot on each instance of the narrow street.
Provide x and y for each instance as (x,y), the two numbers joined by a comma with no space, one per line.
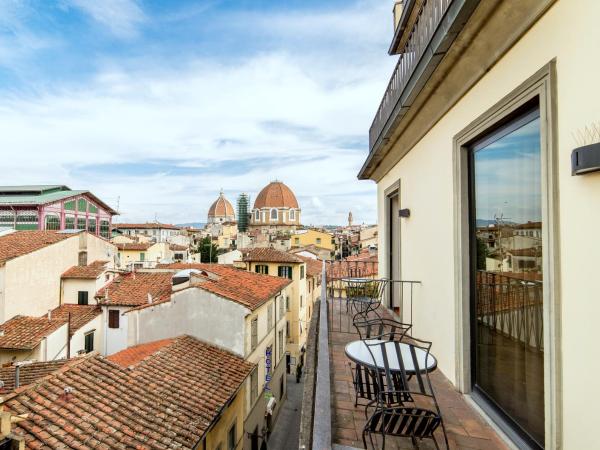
(286,433)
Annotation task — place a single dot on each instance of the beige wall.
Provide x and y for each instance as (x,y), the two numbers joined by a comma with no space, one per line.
(296,314)
(266,337)
(302,238)
(234,413)
(32,281)
(569,33)
(72,286)
(78,338)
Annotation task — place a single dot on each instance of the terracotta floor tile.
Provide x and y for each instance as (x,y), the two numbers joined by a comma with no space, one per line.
(465,428)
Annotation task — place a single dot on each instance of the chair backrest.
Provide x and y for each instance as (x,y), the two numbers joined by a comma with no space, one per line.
(371,289)
(404,372)
(381,328)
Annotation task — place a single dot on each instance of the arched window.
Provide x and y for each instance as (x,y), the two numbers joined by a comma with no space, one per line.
(292,214)
(257,215)
(274,214)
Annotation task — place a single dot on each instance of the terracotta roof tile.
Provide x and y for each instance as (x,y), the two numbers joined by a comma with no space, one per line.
(133,246)
(247,288)
(132,289)
(167,401)
(25,332)
(80,314)
(20,243)
(133,355)
(314,267)
(269,255)
(91,271)
(175,247)
(362,265)
(28,373)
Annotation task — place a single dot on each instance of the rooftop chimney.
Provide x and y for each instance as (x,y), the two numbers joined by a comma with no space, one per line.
(49,314)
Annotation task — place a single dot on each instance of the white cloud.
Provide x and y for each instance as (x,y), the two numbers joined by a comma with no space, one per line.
(281,108)
(121,17)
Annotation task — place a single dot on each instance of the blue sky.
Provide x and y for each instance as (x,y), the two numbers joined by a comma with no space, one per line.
(160,104)
(508,177)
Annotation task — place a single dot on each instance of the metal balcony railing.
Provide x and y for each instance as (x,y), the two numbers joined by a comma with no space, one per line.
(429,18)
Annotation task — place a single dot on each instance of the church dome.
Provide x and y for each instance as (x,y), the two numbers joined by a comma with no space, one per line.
(276,195)
(221,208)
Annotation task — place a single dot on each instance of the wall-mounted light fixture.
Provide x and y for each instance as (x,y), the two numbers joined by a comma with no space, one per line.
(585,159)
(404,213)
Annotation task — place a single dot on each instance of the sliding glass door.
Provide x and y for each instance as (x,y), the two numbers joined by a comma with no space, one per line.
(506,248)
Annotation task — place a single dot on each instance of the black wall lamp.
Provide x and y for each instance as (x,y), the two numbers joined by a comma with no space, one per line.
(585,159)
(404,213)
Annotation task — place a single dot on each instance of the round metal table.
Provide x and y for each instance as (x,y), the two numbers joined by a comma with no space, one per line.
(358,352)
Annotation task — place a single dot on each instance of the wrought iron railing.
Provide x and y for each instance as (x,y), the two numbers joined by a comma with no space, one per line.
(339,316)
(430,16)
(511,305)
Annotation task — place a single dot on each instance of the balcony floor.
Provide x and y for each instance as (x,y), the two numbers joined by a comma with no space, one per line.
(466,429)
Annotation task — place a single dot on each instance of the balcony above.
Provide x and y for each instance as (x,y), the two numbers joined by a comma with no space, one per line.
(444,48)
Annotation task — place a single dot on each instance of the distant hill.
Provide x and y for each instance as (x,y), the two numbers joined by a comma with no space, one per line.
(191,224)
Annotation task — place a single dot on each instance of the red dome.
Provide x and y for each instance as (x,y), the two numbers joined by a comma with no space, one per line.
(221,208)
(276,195)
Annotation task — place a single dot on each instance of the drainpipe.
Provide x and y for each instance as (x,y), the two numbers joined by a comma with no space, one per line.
(105,330)
(68,335)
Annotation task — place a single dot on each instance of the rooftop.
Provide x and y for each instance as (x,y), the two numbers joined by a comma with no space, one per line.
(26,332)
(80,314)
(314,267)
(133,355)
(28,373)
(133,246)
(168,400)
(269,255)
(19,243)
(43,194)
(92,271)
(246,288)
(132,289)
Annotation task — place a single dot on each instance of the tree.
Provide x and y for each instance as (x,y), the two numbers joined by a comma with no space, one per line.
(208,251)
(482,253)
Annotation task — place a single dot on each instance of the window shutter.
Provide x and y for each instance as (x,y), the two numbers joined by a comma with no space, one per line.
(82,298)
(113,318)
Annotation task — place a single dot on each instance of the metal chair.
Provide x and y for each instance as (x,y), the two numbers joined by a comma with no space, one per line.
(364,296)
(380,328)
(406,405)
(366,387)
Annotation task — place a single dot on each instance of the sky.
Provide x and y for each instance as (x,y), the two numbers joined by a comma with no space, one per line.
(155,106)
(508,177)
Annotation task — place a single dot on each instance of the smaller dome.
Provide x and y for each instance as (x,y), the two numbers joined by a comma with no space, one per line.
(221,208)
(276,195)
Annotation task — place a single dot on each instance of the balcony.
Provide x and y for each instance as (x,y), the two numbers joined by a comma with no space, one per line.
(422,45)
(329,417)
